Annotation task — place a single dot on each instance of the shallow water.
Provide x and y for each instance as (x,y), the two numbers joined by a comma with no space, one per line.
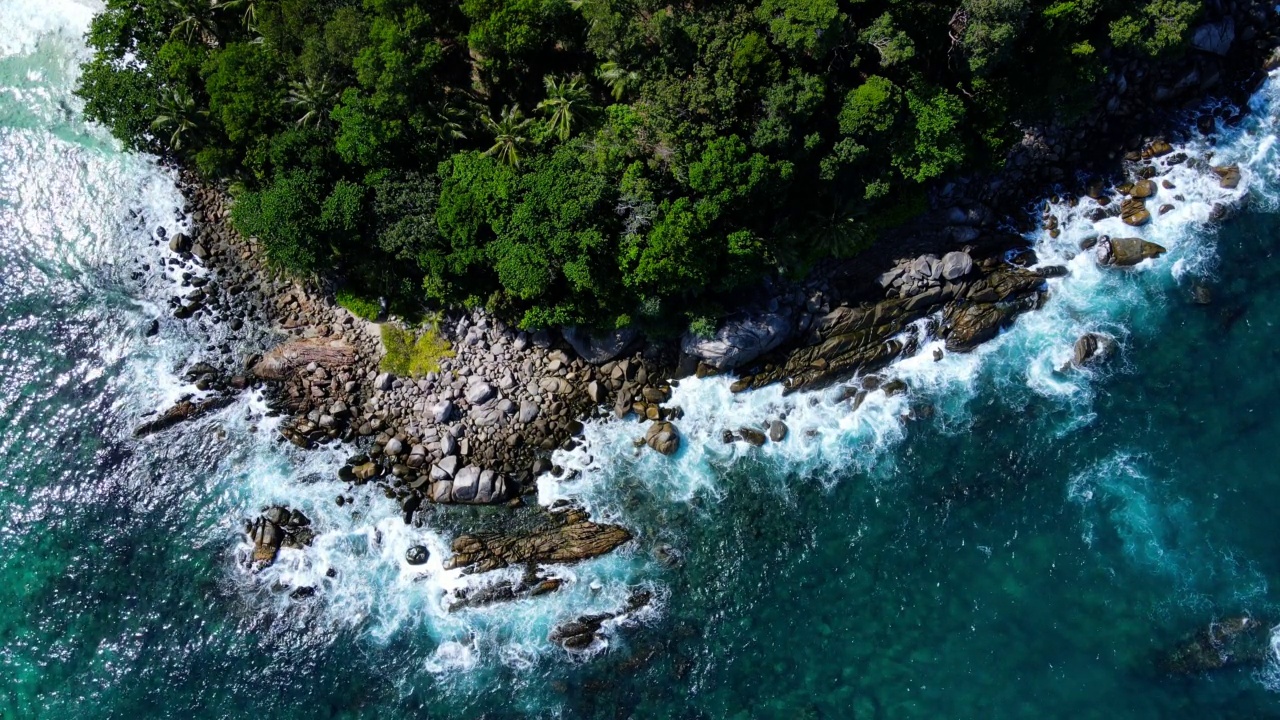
(1024,547)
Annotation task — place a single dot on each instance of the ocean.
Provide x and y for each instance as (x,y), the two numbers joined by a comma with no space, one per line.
(1005,540)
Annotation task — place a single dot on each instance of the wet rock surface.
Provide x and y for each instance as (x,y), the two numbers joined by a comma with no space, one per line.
(581,633)
(1232,641)
(975,307)
(274,528)
(565,539)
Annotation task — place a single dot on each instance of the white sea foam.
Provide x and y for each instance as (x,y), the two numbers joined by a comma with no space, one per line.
(372,589)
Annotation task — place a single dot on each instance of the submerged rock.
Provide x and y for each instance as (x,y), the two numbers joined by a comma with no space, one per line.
(1239,640)
(579,634)
(417,555)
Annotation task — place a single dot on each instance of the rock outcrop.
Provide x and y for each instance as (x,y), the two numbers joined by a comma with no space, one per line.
(182,411)
(579,634)
(742,338)
(562,540)
(868,337)
(1125,251)
(277,527)
(283,361)
(599,348)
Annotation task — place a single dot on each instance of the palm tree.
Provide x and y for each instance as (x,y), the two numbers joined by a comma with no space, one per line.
(313,98)
(250,17)
(566,99)
(617,77)
(193,22)
(449,119)
(509,132)
(179,117)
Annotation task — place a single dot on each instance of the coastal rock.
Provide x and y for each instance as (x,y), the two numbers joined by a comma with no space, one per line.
(1133,211)
(581,633)
(1228,176)
(968,325)
(417,555)
(479,393)
(1143,189)
(1232,641)
(1091,347)
(1215,37)
(283,361)
(956,265)
(442,411)
(1126,251)
(564,540)
(752,436)
(663,437)
(600,348)
(181,412)
(777,431)
(740,339)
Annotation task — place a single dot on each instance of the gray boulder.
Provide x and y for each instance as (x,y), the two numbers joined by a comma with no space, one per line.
(956,265)
(445,469)
(442,411)
(599,348)
(528,412)
(466,483)
(478,393)
(741,339)
(1215,37)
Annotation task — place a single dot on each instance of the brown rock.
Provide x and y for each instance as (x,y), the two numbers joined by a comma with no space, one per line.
(282,361)
(554,542)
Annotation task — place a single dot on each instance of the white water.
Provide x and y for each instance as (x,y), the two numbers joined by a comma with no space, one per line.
(78,171)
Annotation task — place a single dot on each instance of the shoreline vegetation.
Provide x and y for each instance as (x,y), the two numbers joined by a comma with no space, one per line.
(777,198)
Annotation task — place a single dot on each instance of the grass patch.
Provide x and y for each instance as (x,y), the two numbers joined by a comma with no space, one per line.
(361,307)
(413,353)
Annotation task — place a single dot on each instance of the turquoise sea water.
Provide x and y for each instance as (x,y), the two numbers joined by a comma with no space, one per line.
(1024,548)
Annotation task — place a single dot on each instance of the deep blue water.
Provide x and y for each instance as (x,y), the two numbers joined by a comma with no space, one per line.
(1025,548)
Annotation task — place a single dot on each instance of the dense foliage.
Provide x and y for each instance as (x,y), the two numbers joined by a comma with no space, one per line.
(591,161)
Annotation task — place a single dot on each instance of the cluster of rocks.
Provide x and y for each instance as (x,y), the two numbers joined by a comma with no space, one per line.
(974,307)
(582,633)
(277,527)
(531,584)
(1234,641)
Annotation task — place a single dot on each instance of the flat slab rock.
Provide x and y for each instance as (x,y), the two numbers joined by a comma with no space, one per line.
(566,541)
(282,361)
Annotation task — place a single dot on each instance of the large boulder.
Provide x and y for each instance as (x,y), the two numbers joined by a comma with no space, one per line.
(662,436)
(600,347)
(284,360)
(1215,37)
(741,339)
(956,265)
(1125,251)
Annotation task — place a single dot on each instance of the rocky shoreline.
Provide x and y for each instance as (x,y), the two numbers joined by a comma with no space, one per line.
(482,427)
